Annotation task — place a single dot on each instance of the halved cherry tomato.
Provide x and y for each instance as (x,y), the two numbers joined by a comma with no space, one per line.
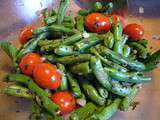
(47,76)
(97,22)
(26,34)
(134,31)
(65,101)
(117,18)
(28,63)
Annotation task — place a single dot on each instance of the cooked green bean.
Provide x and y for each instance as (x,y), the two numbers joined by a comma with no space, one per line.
(50,20)
(107,62)
(18,91)
(81,68)
(106,112)
(142,51)
(80,23)
(129,99)
(118,89)
(32,46)
(53,29)
(132,77)
(73,59)
(64,82)
(83,112)
(143,42)
(86,43)
(64,50)
(153,61)
(62,10)
(92,93)
(119,59)
(74,86)
(126,51)
(99,73)
(46,102)
(109,40)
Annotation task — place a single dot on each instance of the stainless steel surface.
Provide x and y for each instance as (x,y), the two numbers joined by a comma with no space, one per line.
(15,14)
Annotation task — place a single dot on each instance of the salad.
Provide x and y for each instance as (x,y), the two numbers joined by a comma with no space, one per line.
(85,67)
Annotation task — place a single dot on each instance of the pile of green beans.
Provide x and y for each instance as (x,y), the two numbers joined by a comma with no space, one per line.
(102,69)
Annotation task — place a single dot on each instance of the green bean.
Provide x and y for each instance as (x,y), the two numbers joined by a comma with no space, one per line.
(73,59)
(53,29)
(72,39)
(126,51)
(143,42)
(80,23)
(83,12)
(109,40)
(103,92)
(32,46)
(86,43)
(117,32)
(142,51)
(99,73)
(124,39)
(68,19)
(50,20)
(36,111)
(62,10)
(119,59)
(68,41)
(107,62)
(68,25)
(48,42)
(106,112)
(129,99)
(118,89)
(64,50)
(74,86)
(83,112)
(46,102)
(18,91)
(132,77)
(92,93)
(64,82)
(10,50)
(81,68)
(153,61)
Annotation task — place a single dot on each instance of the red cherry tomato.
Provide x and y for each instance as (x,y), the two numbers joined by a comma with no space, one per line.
(28,63)
(65,101)
(47,76)
(134,31)
(116,18)
(26,34)
(97,22)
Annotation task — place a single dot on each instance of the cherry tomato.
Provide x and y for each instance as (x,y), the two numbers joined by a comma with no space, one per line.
(116,18)
(65,101)
(26,34)
(97,22)
(28,63)
(47,76)
(134,31)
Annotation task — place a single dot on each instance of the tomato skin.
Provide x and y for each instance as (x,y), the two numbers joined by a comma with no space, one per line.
(134,31)
(47,76)
(26,34)
(65,101)
(116,18)
(28,63)
(97,22)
